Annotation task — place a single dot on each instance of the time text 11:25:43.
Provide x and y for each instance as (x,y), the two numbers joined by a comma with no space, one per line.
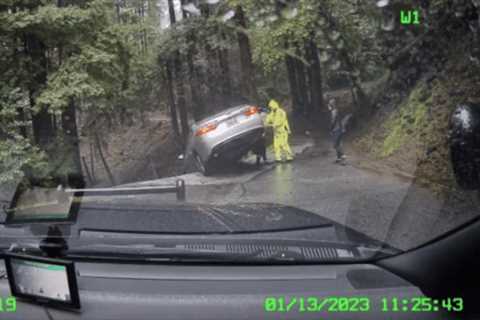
(422,304)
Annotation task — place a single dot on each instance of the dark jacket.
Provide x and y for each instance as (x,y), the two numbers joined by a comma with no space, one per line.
(335,122)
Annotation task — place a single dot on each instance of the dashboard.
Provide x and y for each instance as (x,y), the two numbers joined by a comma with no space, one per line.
(176,291)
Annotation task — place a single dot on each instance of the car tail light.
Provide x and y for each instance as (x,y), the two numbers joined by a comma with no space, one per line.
(205,129)
(250,111)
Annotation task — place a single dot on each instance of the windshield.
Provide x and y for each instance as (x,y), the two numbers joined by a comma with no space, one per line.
(152,128)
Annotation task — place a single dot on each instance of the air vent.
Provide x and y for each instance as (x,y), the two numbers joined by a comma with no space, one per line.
(266,250)
(200,246)
(319,253)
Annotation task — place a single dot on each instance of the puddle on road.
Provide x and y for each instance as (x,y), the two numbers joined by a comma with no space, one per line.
(282,188)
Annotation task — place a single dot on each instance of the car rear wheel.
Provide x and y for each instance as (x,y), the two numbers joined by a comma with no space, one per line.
(204,168)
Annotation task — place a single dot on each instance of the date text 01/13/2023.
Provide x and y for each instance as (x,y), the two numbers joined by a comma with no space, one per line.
(284,304)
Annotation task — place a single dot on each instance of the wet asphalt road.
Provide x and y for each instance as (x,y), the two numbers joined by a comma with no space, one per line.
(379,204)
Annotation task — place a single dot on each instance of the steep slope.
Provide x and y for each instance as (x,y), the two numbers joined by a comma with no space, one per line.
(411,133)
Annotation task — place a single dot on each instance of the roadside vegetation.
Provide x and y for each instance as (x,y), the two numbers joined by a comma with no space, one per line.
(413,135)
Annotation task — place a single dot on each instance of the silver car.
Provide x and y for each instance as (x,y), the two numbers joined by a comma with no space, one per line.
(226,136)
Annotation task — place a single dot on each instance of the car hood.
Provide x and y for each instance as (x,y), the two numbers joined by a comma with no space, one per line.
(192,218)
(259,221)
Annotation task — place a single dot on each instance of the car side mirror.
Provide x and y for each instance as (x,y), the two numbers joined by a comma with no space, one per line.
(464,136)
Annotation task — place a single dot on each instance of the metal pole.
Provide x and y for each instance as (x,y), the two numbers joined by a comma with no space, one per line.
(181,190)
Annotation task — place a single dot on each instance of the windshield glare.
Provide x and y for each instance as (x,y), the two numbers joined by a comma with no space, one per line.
(142,126)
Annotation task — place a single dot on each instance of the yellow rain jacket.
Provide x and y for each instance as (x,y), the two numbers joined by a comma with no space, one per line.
(277,119)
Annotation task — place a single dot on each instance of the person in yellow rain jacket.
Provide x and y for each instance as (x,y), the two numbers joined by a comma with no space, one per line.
(277,119)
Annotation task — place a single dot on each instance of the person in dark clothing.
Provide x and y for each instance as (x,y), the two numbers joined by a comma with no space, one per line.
(260,148)
(336,130)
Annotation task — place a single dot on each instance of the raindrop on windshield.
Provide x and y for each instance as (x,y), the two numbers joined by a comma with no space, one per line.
(290,13)
(192,9)
(383,3)
(388,23)
(229,15)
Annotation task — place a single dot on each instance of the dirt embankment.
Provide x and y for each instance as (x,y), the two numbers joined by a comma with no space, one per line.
(411,135)
(142,150)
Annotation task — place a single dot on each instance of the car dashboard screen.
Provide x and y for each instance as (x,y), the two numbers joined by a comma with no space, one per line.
(43,280)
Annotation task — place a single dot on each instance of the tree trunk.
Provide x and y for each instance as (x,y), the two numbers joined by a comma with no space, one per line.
(144,32)
(42,125)
(171,12)
(69,127)
(211,70)
(180,90)
(248,87)
(171,99)
(302,88)
(87,171)
(41,120)
(197,106)
(20,111)
(292,80)
(21,118)
(181,102)
(225,73)
(315,76)
(104,161)
(361,96)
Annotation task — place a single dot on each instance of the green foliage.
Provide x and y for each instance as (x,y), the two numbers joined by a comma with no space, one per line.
(407,123)
(93,73)
(55,25)
(195,32)
(16,152)
(278,31)
(358,26)
(276,36)
(92,57)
